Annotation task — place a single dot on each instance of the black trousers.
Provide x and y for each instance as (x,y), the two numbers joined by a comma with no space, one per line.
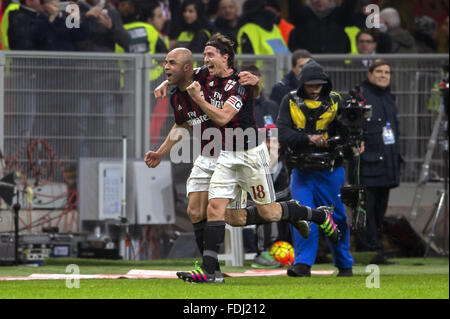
(377,199)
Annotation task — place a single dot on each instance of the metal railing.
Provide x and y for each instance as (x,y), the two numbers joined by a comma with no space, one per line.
(73,105)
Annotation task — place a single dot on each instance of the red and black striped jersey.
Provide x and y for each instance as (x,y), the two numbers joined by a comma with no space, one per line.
(187,111)
(241,133)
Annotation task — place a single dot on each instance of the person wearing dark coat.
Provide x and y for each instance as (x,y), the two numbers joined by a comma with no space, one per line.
(380,161)
(320,27)
(105,25)
(25,27)
(60,37)
(290,81)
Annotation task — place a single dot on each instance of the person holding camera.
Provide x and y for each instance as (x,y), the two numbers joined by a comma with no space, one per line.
(307,119)
(380,162)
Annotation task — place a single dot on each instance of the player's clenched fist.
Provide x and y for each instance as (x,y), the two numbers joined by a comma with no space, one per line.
(194,89)
(152,159)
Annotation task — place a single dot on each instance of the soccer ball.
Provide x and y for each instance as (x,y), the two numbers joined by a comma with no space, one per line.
(283,252)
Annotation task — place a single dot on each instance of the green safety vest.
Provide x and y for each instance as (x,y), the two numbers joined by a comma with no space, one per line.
(352,32)
(144,39)
(5,24)
(186,37)
(263,42)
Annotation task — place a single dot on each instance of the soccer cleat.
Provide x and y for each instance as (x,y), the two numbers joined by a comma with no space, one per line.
(265,261)
(329,227)
(200,275)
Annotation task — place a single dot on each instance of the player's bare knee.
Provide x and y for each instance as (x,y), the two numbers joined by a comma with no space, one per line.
(215,211)
(195,214)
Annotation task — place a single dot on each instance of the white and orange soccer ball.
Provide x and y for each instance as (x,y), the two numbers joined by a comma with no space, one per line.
(283,252)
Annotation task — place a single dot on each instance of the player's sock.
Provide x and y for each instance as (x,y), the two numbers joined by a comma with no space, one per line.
(199,230)
(214,235)
(292,211)
(253,217)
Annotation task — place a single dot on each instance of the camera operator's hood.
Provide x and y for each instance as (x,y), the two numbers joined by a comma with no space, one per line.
(312,73)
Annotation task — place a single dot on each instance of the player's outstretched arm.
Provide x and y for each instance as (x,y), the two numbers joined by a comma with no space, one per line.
(154,158)
(220,116)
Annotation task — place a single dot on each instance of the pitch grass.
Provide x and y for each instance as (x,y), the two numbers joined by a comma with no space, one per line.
(409,278)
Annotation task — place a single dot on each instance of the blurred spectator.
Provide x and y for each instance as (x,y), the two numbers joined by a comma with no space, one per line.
(402,40)
(145,37)
(153,14)
(5,24)
(284,26)
(25,27)
(58,37)
(424,34)
(290,82)
(212,10)
(172,16)
(194,28)
(320,26)
(227,22)
(384,42)
(366,42)
(40,25)
(259,33)
(105,26)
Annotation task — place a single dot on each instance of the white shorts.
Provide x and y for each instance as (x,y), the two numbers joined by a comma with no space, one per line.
(243,171)
(200,178)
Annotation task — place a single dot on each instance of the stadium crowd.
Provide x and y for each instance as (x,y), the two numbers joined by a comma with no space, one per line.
(319,26)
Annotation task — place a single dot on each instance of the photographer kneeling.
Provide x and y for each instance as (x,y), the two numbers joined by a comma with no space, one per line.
(307,119)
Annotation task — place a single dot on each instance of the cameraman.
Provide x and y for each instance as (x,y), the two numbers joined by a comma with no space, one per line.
(380,162)
(308,117)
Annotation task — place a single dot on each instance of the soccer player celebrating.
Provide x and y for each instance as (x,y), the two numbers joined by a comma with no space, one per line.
(243,163)
(179,72)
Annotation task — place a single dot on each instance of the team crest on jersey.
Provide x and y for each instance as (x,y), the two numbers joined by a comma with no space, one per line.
(211,83)
(179,107)
(229,85)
